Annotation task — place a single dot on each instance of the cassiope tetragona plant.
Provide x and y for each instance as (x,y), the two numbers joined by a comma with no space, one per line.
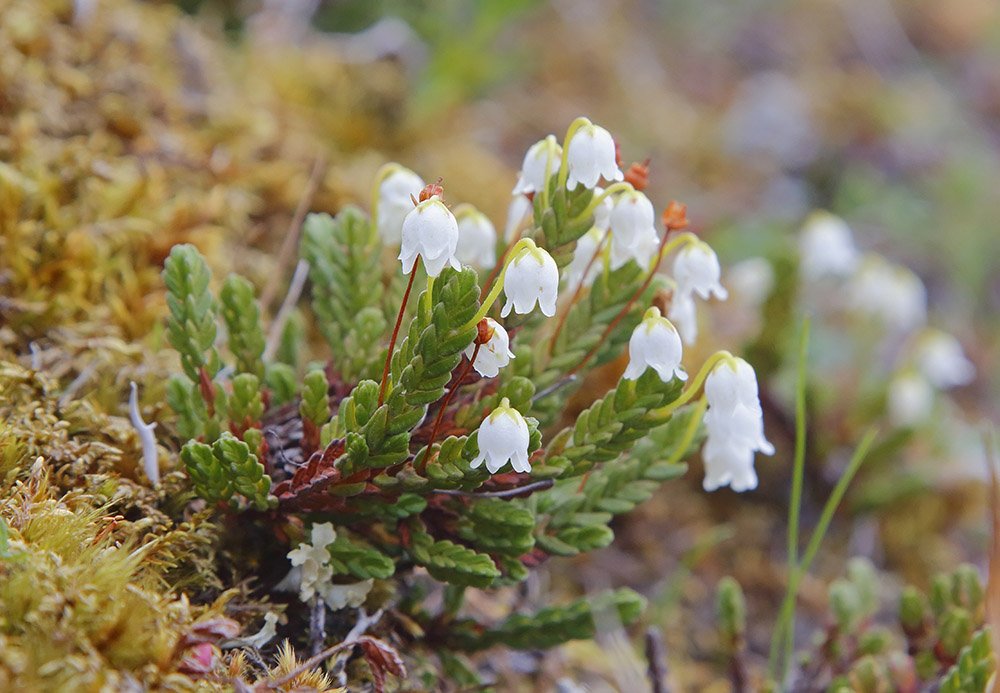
(435,435)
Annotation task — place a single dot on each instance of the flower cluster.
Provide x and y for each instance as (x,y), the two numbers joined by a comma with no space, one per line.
(875,289)
(735,426)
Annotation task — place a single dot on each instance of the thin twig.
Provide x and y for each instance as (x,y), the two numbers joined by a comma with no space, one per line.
(554,386)
(294,229)
(657,661)
(287,305)
(507,493)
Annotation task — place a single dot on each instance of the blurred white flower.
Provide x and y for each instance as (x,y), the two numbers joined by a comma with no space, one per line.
(696,270)
(735,425)
(394,202)
(631,218)
(494,354)
(477,239)
(266,633)
(891,293)
(591,156)
(683,313)
(655,342)
(531,276)
(313,560)
(910,400)
(503,436)
(602,213)
(430,231)
(940,358)
(519,214)
(826,247)
(542,155)
(751,280)
(586,247)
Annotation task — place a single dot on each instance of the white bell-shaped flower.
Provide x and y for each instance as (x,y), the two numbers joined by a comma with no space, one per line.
(503,436)
(940,358)
(643,249)
(826,247)
(655,342)
(394,202)
(696,270)
(430,231)
(735,426)
(910,400)
(684,315)
(544,156)
(728,465)
(531,276)
(591,156)
(890,293)
(494,354)
(477,239)
(732,382)
(519,214)
(587,247)
(632,217)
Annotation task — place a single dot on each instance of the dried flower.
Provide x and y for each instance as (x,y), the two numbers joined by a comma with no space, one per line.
(655,343)
(430,231)
(503,436)
(531,276)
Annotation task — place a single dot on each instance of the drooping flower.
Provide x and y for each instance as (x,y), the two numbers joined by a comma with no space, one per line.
(655,342)
(735,426)
(494,354)
(940,358)
(503,436)
(683,314)
(826,247)
(591,156)
(543,156)
(751,280)
(696,270)
(394,202)
(643,249)
(632,217)
(519,214)
(531,276)
(477,239)
(910,400)
(430,231)
(890,293)
(583,256)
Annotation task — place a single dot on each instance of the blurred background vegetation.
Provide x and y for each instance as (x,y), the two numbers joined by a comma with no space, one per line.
(884,112)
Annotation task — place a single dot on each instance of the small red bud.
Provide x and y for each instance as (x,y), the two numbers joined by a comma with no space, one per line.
(431,190)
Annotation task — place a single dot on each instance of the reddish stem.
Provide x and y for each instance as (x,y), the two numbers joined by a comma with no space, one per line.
(395,332)
(576,294)
(623,311)
(444,405)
